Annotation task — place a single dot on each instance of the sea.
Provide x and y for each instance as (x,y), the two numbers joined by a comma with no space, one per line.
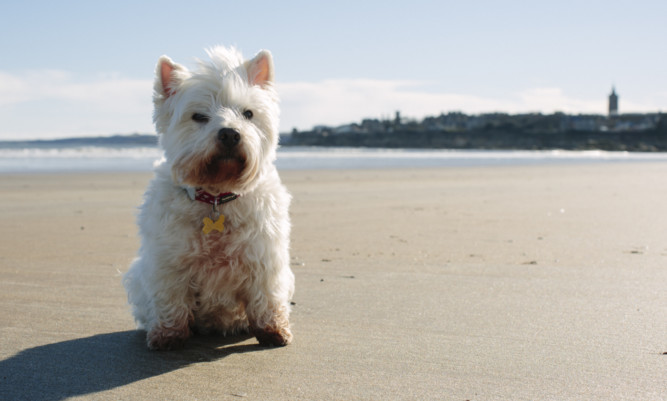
(58,157)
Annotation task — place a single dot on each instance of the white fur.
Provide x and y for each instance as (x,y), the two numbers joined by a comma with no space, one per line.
(232,281)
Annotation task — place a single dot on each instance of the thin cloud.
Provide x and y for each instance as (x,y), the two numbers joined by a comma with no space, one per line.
(51,103)
(334,102)
(52,84)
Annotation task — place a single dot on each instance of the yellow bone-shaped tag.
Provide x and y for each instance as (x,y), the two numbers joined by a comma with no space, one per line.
(209,225)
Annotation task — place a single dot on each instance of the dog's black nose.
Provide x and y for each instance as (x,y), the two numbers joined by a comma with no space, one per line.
(229,137)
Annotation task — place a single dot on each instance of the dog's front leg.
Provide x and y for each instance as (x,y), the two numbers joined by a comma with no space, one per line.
(171,327)
(270,325)
(268,310)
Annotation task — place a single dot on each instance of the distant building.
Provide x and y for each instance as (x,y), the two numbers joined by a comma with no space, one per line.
(613,103)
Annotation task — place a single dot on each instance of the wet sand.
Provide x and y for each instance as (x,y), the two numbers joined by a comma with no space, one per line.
(515,283)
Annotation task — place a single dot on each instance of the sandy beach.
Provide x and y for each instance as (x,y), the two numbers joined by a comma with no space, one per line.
(503,283)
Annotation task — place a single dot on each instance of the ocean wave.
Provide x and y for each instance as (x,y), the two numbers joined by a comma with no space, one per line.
(105,158)
(91,152)
(380,153)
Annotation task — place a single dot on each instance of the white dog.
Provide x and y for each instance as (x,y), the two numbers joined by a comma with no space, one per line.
(214,223)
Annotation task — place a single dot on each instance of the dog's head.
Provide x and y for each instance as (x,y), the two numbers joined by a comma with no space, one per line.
(218,125)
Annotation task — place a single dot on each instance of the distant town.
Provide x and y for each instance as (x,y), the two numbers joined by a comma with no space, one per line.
(455,130)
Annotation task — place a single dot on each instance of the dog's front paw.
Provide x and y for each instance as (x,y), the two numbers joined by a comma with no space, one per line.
(273,336)
(167,339)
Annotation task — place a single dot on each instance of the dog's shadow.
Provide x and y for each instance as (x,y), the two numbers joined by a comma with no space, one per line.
(102,362)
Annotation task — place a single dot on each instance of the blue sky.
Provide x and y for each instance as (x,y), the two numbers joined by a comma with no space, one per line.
(86,68)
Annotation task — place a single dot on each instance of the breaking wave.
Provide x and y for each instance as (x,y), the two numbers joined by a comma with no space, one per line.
(101,158)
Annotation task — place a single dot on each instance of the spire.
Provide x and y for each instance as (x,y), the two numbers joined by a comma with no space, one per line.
(613,102)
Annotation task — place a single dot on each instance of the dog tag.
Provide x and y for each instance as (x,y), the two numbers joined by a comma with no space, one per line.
(209,225)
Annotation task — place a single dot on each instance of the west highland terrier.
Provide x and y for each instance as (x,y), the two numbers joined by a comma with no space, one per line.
(214,224)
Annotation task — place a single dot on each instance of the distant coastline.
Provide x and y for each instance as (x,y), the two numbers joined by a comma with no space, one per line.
(628,141)
(133,140)
(498,131)
(628,132)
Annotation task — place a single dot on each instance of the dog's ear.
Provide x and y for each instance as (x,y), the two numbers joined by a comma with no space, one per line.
(168,76)
(260,69)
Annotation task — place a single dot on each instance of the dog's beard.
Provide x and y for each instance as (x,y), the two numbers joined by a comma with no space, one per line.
(219,169)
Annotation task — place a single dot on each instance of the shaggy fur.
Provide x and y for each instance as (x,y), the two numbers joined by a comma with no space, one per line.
(218,127)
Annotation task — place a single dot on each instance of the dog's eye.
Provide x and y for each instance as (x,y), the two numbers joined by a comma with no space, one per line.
(200,118)
(248,114)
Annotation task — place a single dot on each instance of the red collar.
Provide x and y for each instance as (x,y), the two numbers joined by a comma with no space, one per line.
(203,196)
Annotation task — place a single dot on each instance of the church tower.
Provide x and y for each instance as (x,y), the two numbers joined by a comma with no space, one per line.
(613,103)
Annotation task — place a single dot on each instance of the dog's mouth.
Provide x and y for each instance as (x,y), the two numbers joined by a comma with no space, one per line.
(221,169)
(224,155)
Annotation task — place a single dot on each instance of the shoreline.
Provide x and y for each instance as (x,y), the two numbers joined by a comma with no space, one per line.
(71,160)
(502,282)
